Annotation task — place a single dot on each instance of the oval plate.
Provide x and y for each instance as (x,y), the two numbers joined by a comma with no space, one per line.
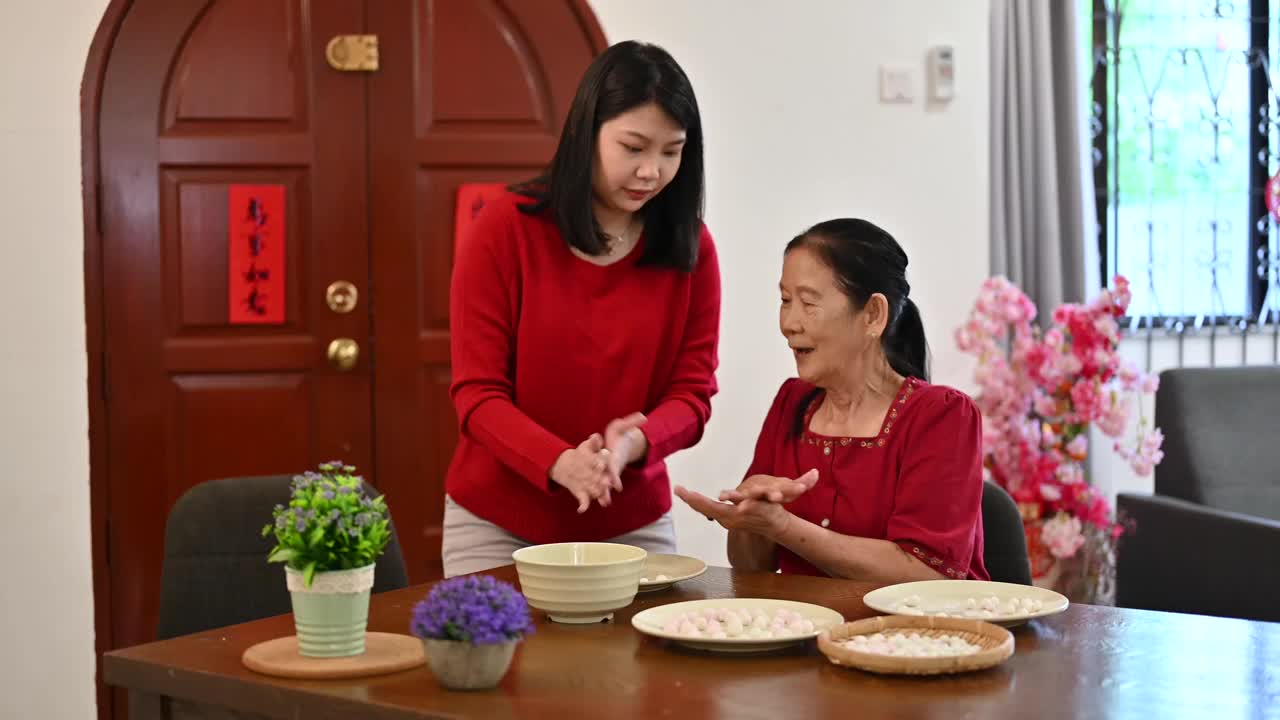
(951,597)
(650,622)
(674,567)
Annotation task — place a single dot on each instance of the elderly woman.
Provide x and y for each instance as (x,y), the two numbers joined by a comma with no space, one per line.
(863,469)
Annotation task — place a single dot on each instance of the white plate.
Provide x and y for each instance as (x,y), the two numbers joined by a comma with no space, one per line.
(674,568)
(651,621)
(951,597)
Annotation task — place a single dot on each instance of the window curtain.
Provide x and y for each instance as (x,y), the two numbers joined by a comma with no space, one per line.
(1043,227)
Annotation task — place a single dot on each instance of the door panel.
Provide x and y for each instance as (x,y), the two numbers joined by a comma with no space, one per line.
(212,415)
(264,86)
(194,229)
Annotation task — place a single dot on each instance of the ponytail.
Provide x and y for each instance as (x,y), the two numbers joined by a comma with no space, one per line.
(905,345)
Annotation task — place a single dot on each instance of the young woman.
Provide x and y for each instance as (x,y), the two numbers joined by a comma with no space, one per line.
(863,469)
(585,310)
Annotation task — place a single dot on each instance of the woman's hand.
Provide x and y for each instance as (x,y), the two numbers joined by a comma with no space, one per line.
(770,488)
(582,471)
(762,517)
(623,445)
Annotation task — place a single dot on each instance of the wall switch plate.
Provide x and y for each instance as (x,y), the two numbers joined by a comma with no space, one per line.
(897,84)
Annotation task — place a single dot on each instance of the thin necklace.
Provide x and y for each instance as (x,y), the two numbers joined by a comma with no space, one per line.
(615,242)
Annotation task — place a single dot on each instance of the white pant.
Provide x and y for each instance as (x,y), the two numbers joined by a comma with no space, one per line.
(472,544)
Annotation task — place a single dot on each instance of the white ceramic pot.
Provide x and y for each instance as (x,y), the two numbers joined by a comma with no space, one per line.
(463,666)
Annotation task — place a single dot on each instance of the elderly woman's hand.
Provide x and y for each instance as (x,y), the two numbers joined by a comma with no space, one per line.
(770,488)
(758,516)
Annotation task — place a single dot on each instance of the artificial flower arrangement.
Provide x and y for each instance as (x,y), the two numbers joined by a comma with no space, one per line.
(1040,390)
(329,523)
(470,626)
(329,537)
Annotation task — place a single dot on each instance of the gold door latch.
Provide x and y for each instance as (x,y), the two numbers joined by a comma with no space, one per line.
(343,354)
(353,53)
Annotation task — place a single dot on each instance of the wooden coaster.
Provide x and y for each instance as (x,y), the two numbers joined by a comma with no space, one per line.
(384,653)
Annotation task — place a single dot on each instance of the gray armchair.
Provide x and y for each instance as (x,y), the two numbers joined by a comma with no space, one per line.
(1208,541)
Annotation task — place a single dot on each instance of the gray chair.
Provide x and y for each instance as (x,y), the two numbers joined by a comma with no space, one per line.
(215,559)
(1208,541)
(1004,549)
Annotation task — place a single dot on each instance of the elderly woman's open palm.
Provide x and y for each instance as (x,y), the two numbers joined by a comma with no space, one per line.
(755,505)
(773,489)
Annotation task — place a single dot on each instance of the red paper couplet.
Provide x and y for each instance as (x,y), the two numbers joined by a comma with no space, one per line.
(256,260)
(472,197)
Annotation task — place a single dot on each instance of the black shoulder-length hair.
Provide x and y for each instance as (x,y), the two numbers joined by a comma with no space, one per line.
(626,76)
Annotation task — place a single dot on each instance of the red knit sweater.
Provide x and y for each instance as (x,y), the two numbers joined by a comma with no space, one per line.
(547,348)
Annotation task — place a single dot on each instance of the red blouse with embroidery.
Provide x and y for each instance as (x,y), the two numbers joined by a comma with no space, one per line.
(918,483)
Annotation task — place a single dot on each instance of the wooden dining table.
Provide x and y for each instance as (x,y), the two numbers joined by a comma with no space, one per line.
(1087,662)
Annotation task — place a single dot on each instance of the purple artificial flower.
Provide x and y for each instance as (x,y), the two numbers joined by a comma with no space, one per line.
(480,610)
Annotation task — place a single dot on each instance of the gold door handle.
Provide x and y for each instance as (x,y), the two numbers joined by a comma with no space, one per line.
(342,297)
(353,53)
(344,353)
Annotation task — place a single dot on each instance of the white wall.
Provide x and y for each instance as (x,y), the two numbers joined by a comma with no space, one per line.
(795,135)
(46,592)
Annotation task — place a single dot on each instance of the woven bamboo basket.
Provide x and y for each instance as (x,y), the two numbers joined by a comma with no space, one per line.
(995,641)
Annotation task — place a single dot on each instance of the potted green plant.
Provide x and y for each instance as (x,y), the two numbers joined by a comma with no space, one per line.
(329,537)
(470,627)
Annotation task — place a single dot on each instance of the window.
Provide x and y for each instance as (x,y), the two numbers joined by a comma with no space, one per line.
(1186,134)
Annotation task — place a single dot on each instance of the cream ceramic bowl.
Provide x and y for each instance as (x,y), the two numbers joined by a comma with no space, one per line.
(580,582)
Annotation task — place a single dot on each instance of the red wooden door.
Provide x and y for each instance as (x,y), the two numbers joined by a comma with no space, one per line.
(200,95)
(468,91)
